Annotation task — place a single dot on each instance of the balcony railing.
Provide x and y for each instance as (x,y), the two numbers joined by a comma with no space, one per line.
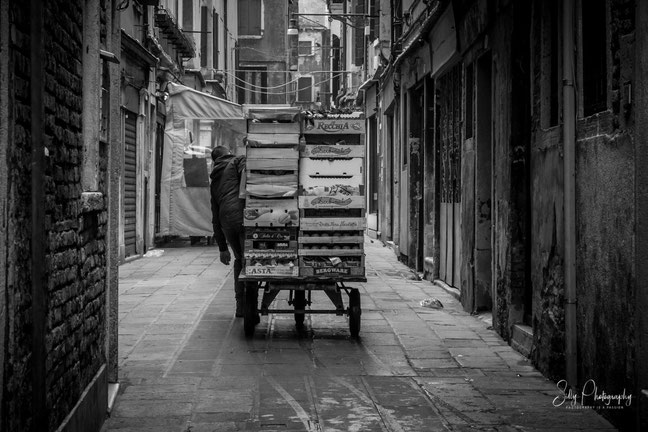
(166,22)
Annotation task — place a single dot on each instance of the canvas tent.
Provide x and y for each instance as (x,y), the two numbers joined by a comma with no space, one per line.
(196,122)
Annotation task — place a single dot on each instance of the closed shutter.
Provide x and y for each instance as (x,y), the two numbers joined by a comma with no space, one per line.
(359,36)
(449,87)
(130,181)
(203,36)
(249,17)
(215,40)
(305,89)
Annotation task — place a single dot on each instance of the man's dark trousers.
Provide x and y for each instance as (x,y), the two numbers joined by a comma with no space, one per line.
(236,240)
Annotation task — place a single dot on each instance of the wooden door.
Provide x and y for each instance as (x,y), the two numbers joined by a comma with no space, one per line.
(449,88)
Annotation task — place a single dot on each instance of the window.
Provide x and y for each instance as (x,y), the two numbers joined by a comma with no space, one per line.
(305,89)
(250,17)
(187,15)
(305,48)
(252,85)
(359,37)
(594,42)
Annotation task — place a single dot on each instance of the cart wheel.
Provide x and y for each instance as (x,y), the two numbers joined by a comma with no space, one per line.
(354,312)
(299,301)
(250,314)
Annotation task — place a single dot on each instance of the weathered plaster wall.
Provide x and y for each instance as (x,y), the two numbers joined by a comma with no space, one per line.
(509,42)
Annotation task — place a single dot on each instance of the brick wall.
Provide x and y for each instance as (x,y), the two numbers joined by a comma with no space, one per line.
(17,415)
(75,233)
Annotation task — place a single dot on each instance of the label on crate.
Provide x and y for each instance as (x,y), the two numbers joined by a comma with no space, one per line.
(270,235)
(271,271)
(335,126)
(330,151)
(331,270)
(332,223)
(332,202)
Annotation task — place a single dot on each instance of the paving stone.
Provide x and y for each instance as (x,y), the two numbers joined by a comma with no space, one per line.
(185,365)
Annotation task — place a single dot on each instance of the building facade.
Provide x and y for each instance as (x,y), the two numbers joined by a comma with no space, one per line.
(60,129)
(507,148)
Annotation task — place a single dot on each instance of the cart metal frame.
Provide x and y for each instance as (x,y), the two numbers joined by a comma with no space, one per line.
(300,297)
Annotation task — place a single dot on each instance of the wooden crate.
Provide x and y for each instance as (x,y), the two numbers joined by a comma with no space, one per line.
(272,153)
(314,237)
(334,140)
(328,173)
(328,251)
(325,266)
(334,126)
(332,224)
(270,254)
(270,213)
(277,247)
(274,234)
(335,201)
(332,151)
(275,139)
(270,268)
(272,127)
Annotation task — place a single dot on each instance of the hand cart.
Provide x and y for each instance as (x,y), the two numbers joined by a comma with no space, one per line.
(300,288)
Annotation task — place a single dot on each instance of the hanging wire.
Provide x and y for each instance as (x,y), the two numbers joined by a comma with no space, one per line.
(281,93)
(281,85)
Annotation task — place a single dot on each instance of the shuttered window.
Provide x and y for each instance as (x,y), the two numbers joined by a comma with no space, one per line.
(203,36)
(305,89)
(215,35)
(359,36)
(249,17)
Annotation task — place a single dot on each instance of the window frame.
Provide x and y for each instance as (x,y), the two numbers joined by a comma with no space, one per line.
(261,25)
(310,48)
(312,87)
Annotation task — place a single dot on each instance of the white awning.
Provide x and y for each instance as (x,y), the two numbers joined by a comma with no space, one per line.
(186,103)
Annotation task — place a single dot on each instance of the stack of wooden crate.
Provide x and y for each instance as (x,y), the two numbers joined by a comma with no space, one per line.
(271,215)
(331,197)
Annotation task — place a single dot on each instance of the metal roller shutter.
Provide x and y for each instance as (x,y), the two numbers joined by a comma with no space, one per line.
(130,182)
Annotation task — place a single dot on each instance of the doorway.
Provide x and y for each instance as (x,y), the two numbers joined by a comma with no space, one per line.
(449,103)
(483,185)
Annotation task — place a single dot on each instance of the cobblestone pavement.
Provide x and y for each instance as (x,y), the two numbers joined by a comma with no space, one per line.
(186,366)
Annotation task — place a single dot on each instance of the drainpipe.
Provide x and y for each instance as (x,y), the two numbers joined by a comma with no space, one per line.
(569,151)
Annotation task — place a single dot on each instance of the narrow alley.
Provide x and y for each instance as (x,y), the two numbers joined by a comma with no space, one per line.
(185,364)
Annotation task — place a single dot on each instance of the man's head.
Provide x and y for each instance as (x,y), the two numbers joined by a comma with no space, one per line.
(219,151)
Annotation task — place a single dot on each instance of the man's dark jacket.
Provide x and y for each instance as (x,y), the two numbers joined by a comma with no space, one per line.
(227,206)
